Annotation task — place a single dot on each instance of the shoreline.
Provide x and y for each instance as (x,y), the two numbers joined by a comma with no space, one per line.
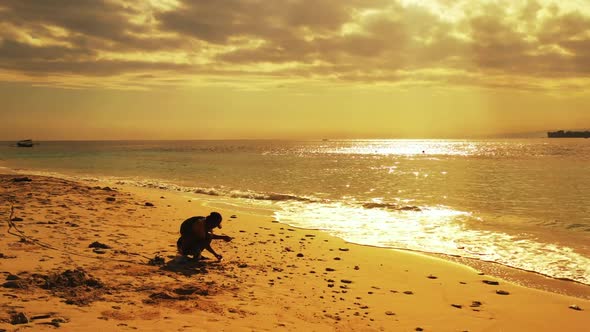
(522,277)
(273,277)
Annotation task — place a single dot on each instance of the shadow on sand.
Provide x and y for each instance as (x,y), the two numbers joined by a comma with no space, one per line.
(190,267)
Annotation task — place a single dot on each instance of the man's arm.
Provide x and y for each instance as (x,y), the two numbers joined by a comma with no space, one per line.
(209,249)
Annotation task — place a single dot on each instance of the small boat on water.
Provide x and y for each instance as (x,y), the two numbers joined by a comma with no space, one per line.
(27,143)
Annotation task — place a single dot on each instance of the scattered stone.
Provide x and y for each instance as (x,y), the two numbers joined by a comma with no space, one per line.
(575,307)
(162,296)
(275,221)
(16,219)
(490,282)
(157,261)
(233,216)
(458,306)
(12,277)
(343,249)
(57,321)
(390,313)
(13,284)
(242,265)
(98,245)
(329,269)
(419,329)
(149,204)
(475,304)
(19,318)
(190,290)
(346,281)
(111,199)
(299,255)
(108,189)
(430,276)
(99,251)
(408,292)
(502,292)
(23,179)
(44,316)
(356,267)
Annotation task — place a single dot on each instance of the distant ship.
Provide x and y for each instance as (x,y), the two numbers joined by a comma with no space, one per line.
(27,143)
(568,134)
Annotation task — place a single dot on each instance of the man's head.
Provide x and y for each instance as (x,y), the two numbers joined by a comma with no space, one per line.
(214,220)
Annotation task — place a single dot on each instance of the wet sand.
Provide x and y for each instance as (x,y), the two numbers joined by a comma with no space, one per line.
(90,256)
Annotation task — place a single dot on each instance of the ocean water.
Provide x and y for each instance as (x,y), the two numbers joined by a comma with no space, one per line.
(521,203)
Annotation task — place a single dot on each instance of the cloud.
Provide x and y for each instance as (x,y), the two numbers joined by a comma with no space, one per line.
(488,43)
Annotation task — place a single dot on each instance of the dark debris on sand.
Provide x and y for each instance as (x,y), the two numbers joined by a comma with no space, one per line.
(157,261)
(18,318)
(75,286)
(22,179)
(98,245)
(184,293)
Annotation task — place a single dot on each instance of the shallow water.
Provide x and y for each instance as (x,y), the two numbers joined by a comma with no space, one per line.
(522,203)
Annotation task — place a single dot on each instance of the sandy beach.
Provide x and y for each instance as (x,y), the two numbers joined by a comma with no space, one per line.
(96,256)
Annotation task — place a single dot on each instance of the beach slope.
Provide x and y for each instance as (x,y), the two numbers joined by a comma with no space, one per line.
(90,256)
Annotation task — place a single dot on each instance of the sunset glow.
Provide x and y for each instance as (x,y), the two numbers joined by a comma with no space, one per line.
(292,69)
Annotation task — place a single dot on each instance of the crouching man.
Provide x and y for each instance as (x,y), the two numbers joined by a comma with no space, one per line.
(196,234)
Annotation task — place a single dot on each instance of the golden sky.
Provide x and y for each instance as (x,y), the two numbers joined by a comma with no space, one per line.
(208,69)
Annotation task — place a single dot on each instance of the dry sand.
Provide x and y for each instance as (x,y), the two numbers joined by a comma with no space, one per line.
(273,277)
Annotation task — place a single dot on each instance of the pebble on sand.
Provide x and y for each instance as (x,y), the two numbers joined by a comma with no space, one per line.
(19,318)
(390,313)
(475,304)
(490,282)
(502,292)
(23,179)
(149,204)
(575,307)
(99,245)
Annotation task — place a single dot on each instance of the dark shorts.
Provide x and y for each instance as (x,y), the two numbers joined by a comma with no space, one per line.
(190,246)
